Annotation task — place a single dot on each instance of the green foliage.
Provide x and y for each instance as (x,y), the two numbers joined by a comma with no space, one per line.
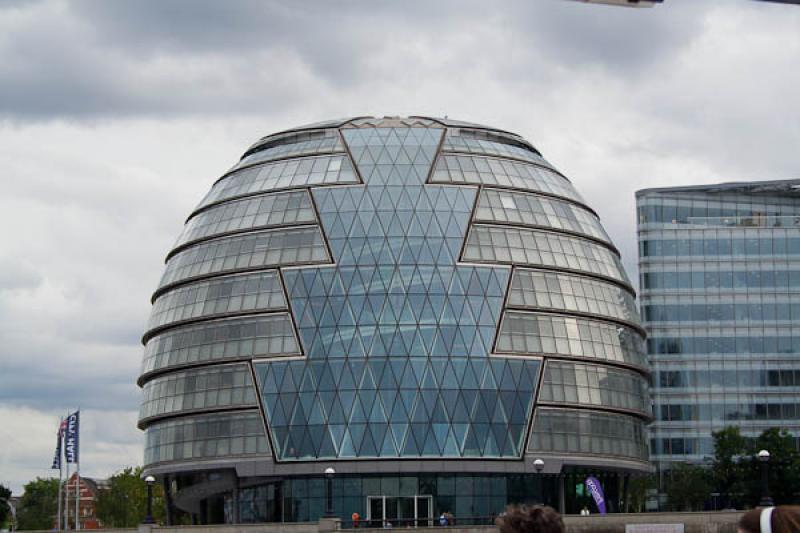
(638,490)
(39,504)
(736,470)
(124,502)
(689,487)
(5,512)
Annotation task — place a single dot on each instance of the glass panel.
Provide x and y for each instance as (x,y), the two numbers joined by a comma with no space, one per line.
(294,145)
(477,142)
(496,244)
(603,386)
(495,205)
(276,209)
(220,386)
(205,436)
(303,245)
(534,333)
(473,170)
(229,294)
(570,292)
(264,336)
(588,433)
(288,174)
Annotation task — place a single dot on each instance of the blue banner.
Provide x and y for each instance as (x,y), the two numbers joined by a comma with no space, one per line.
(593,485)
(57,457)
(71,439)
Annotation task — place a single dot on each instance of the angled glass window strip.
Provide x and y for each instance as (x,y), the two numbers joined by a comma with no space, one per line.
(570,292)
(235,338)
(277,209)
(534,333)
(471,145)
(322,145)
(271,248)
(261,291)
(594,385)
(496,205)
(398,406)
(475,170)
(205,436)
(203,388)
(569,431)
(519,246)
(288,174)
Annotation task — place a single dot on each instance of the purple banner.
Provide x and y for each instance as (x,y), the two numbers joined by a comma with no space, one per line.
(593,486)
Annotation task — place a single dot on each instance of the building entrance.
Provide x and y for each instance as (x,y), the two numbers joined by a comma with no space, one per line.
(400,511)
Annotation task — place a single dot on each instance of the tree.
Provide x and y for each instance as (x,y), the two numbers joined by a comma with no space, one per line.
(39,504)
(784,467)
(639,490)
(5,512)
(729,473)
(688,488)
(124,502)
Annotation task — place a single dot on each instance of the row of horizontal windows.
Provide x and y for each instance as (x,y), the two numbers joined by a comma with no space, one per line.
(204,388)
(275,209)
(728,412)
(520,246)
(778,245)
(261,291)
(737,279)
(766,311)
(594,385)
(671,379)
(286,174)
(301,245)
(584,432)
(475,142)
(309,143)
(570,292)
(206,436)
(691,446)
(496,205)
(264,336)
(784,344)
(533,333)
(682,213)
(488,171)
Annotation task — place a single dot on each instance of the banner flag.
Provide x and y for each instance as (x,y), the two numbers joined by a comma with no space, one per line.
(71,440)
(593,484)
(57,457)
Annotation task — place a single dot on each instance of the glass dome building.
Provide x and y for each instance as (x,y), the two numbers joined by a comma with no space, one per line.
(424,305)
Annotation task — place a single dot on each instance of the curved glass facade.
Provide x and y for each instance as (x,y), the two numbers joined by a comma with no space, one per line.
(402,309)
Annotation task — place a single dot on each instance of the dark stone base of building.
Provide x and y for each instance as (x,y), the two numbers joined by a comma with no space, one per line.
(407,499)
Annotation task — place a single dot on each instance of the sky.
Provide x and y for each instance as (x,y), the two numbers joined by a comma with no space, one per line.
(116,117)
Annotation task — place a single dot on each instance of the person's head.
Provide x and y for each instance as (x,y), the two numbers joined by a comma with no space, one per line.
(530,519)
(783,519)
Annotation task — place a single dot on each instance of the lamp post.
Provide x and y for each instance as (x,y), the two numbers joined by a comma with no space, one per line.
(149,480)
(538,464)
(766,499)
(329,473)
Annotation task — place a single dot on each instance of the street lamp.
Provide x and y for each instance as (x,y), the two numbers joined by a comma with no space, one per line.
(766,499)
(329,473)
(538,464)
(149,480)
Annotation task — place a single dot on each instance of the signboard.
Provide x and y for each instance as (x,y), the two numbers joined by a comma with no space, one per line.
(654,528)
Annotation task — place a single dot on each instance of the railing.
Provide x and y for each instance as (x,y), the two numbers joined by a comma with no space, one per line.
(393,523)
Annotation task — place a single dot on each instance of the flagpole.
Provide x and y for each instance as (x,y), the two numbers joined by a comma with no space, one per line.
(66,501)
(77,479)
(60,474)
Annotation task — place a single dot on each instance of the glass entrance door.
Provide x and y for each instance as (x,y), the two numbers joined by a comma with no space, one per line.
(400,511)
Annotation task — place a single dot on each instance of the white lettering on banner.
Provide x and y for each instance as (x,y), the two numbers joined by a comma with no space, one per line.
(654,528)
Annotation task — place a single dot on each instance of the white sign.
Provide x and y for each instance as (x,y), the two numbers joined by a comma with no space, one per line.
(653,528)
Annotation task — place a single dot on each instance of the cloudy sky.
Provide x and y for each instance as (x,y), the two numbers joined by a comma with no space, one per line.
(116,117)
